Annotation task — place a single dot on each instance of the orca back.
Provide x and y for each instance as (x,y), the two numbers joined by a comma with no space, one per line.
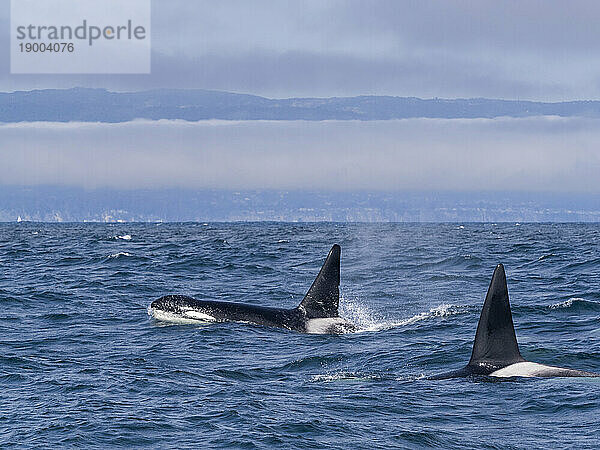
(495,341)
(323,298)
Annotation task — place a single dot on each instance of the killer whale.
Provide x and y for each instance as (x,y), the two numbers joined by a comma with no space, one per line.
(495,349)
(317,313)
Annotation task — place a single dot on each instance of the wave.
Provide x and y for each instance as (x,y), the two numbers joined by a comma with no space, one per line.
(119,255)
(546,256)
(443,310)
(367,320)
(465,262)
(576,304)
(125,237)
(540,259)
(56,317)
(344,376)
(589,266)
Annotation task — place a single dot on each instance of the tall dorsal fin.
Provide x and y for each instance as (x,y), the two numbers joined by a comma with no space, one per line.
(323,297)
(495,341)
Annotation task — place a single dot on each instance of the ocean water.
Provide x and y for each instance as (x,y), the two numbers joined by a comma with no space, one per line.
(82,364)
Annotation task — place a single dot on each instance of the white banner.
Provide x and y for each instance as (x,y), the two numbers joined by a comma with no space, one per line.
(80,36)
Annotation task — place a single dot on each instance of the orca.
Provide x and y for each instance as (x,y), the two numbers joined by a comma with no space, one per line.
(317,313)
(495,350)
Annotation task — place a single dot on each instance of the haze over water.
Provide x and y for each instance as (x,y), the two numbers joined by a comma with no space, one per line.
(82,363)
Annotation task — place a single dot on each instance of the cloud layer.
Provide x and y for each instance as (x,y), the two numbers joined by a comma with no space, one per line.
(537,49)
(545,154)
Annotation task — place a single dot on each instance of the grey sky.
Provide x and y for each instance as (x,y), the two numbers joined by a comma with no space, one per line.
(531,49)
(545,154)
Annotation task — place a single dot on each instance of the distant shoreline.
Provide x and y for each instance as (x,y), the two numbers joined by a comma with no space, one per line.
(274,222)
(55,204)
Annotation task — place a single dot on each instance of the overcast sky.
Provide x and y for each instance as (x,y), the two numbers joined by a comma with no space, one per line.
(543,154)
(517,49)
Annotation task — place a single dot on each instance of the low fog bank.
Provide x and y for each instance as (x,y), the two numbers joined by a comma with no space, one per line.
(539,154)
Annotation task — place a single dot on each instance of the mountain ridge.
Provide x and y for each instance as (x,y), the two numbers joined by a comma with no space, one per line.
(102,105)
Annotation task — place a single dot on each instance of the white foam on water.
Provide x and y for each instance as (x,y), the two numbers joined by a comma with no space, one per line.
(443,310)
(366,320)
(125,237)
(543,257)
(120,254)
(343,376)
(566,304)
(348,376)
(439,311)
(357,313)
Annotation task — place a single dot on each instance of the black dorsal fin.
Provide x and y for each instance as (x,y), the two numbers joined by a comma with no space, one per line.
(323,297)
(495,341)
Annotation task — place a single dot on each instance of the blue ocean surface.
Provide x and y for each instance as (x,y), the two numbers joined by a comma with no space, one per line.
(82,364)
